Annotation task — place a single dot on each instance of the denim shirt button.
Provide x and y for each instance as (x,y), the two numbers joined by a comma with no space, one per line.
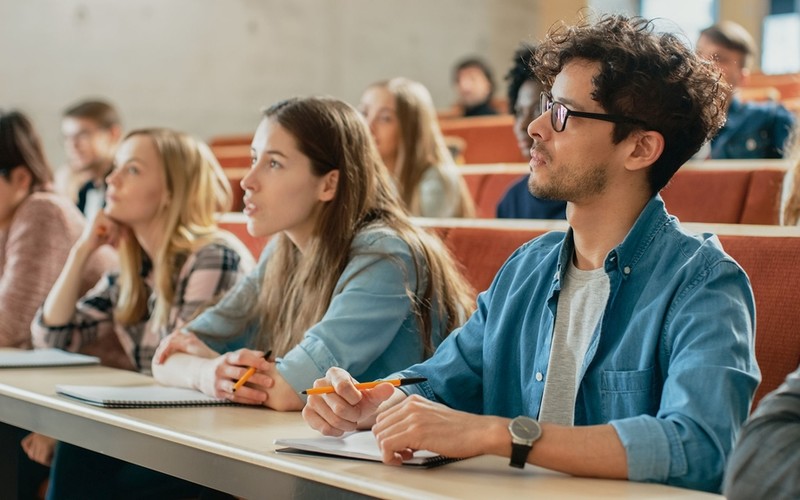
(626,270)
(539,376)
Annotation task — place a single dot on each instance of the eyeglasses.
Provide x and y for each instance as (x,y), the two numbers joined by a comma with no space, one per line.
(560,113)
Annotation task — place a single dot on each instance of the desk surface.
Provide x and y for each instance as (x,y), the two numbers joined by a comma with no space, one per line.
(230,449)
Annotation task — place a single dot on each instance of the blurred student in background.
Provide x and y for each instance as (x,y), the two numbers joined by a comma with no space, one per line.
(752,129)
(790,196)
(403,123)
(91,131)
(523,101)
(37,230)
(475,86)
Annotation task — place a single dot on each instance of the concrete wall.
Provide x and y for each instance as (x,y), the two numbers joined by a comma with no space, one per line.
(208,66)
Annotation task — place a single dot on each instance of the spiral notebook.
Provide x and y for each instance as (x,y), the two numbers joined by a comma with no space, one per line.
(357,445)
(44,357)
(142,396)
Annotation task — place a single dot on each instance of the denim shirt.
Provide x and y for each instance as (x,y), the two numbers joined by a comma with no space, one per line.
(671,365)
(369,328)
(753,130)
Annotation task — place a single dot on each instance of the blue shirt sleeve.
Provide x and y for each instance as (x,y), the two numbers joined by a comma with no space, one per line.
(709,339)
(370,309)
(455,372)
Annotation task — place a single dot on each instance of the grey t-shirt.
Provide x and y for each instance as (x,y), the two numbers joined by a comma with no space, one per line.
(581,303)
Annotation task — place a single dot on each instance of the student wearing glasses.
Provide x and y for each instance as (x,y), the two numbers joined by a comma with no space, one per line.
(92,131)
(623,348)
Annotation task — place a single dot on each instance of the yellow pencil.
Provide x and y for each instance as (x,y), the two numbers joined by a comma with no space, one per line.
(367,385)
(249,373)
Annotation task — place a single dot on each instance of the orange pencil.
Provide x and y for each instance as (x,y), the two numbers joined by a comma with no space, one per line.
(368,385)
(249,373)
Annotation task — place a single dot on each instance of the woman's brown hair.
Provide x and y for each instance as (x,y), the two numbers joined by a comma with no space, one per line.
(20,146)
(298,288)
(422,146)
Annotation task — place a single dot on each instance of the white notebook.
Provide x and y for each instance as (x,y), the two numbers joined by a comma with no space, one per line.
(44,357)
(356,445)
(141,396)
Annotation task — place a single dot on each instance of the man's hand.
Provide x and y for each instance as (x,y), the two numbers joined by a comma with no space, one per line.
(419,424)
(347,408)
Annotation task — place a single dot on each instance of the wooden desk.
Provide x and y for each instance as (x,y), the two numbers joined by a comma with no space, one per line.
(230,449)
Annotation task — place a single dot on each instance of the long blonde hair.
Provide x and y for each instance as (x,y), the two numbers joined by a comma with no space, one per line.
(422,145)
(790,211)
(198,189)
(298,288)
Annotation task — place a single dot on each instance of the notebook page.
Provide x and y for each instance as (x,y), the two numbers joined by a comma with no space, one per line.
(361,445)
(44,357)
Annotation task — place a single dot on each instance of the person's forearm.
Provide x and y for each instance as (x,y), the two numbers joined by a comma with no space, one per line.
(592,451)
(180,370)
(60,303)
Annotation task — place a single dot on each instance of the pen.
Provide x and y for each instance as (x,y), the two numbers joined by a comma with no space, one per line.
(249,373)
(368,385)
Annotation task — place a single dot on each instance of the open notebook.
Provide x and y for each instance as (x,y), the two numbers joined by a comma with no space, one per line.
(44,357)
(141,396)
(357,445)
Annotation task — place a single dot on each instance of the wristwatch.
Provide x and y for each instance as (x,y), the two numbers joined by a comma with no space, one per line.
(524,432)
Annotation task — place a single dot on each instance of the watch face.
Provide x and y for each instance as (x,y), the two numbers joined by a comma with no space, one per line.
(525,428)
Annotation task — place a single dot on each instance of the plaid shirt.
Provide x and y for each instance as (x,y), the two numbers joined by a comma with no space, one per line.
(203,278)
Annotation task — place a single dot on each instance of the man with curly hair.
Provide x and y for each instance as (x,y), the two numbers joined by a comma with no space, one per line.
(623,348)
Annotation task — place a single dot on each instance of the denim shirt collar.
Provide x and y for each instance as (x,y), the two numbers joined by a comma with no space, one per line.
(625,256)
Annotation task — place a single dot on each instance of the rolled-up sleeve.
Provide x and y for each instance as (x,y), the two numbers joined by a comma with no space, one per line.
(712,375)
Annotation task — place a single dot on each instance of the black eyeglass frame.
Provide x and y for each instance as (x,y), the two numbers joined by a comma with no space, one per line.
(547,103)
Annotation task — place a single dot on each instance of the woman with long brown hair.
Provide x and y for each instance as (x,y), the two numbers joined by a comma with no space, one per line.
(346,280)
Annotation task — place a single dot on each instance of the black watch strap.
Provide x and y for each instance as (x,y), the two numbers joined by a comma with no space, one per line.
(519,455)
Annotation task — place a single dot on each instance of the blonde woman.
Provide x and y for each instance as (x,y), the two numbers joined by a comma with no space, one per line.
(790,199)
(403,123)
(162,197)
(346,280)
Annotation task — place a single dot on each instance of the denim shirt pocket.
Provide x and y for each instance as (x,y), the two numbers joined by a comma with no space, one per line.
(628,393)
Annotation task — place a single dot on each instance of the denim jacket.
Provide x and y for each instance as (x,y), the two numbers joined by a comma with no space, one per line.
(369,328)
(671,365)
(753,130)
